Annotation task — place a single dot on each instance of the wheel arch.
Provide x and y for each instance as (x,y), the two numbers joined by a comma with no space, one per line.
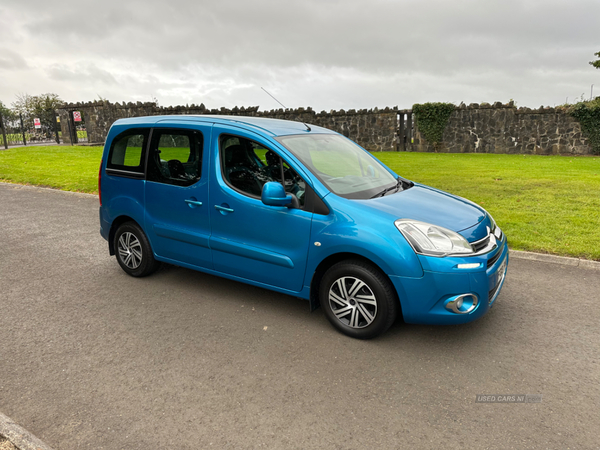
(330,261)
(113,229)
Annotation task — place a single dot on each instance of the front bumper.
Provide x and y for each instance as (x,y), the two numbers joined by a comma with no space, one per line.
(423,300)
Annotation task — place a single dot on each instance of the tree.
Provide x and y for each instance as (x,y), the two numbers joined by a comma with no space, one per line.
(596,63)
(42,107)
(7,114)
(8,118)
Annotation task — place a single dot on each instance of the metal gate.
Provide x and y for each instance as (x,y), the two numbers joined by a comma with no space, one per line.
(405,130)
(76,126)
(22,130)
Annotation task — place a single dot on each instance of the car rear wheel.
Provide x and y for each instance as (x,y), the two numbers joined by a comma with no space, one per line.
(133,251)
(358,299)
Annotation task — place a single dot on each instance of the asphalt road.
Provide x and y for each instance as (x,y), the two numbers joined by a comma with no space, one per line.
(92,358)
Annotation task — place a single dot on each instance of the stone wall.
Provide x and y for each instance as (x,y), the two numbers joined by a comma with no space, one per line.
(502,128)
(475,128)
(374,129)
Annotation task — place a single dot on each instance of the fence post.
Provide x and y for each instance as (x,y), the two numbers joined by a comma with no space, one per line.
(409,130)
(73,129)
(69,126)
(22,129)
(56,126)
(3,131)
(401,132)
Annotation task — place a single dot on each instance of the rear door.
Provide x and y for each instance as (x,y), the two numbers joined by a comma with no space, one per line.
(177,210)
(123,185)
(251,240)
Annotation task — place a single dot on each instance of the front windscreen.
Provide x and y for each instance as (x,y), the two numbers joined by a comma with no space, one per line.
(341,165)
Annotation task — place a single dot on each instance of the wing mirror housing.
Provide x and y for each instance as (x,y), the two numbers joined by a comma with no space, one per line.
(273,194)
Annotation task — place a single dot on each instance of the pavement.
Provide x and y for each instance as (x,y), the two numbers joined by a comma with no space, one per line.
(29,144)
(92,358)
(15,437)
(46,144)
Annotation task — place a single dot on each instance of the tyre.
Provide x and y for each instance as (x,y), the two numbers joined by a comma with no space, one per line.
(358,299)
(133,251)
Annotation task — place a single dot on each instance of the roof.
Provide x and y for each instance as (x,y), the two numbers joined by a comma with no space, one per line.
(275,127)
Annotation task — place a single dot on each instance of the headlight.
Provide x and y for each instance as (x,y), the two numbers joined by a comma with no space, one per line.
(432,240)
(494,226)
(495,229)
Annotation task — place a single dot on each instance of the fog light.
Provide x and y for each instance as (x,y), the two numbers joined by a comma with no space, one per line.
(469,266)
(462,304)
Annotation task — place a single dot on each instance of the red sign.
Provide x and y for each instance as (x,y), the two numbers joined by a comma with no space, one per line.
(76,116)
(37,123)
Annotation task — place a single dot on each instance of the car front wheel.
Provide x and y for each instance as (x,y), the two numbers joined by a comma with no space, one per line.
(358,299)
(133,251)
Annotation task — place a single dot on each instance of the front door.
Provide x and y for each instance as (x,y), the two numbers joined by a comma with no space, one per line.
(251,240)
(177,208)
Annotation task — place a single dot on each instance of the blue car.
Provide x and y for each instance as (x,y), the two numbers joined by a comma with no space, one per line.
(297,209)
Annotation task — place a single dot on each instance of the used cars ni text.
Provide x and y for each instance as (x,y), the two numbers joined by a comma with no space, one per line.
(301,210)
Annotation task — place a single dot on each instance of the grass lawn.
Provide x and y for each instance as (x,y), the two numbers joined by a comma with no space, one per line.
(543,203)
(548,204)
(62,167)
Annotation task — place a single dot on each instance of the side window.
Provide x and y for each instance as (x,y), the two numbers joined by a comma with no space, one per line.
(127,150)
(175,157)
(248,165)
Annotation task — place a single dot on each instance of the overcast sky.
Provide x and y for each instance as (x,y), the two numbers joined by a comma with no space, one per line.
(320,53)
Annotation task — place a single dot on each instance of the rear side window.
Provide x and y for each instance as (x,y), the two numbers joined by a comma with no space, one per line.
(175,157)
(127,151)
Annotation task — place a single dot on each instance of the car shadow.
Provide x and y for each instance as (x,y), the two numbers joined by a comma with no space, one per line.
(231,292)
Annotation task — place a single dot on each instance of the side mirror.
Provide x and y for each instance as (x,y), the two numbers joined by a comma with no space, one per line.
(273,194)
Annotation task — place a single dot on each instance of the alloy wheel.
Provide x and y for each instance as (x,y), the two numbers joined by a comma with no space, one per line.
(130,250)
(353,302)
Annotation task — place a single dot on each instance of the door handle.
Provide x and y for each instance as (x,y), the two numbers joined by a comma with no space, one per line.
(193,203)
(223,208)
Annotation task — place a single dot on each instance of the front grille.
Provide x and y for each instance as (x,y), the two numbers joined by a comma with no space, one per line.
(488,243)
(502,273)
(493,292)
(481,244)
(493,259)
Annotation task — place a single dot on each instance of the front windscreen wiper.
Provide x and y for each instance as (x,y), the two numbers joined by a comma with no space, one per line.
(397,186)
(401,183)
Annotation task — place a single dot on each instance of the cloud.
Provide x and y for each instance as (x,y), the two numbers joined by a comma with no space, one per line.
(322,53)
(10,60)
(87,73)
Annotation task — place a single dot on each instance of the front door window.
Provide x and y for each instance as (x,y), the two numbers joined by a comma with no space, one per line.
(248,165)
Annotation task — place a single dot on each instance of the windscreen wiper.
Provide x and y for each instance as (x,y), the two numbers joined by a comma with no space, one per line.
(397,186)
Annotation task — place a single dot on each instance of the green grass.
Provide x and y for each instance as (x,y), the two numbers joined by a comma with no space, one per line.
(179,153)
(133,156)
(62,167)
(18,137)
(545,204)
(15,137)
(548,204)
